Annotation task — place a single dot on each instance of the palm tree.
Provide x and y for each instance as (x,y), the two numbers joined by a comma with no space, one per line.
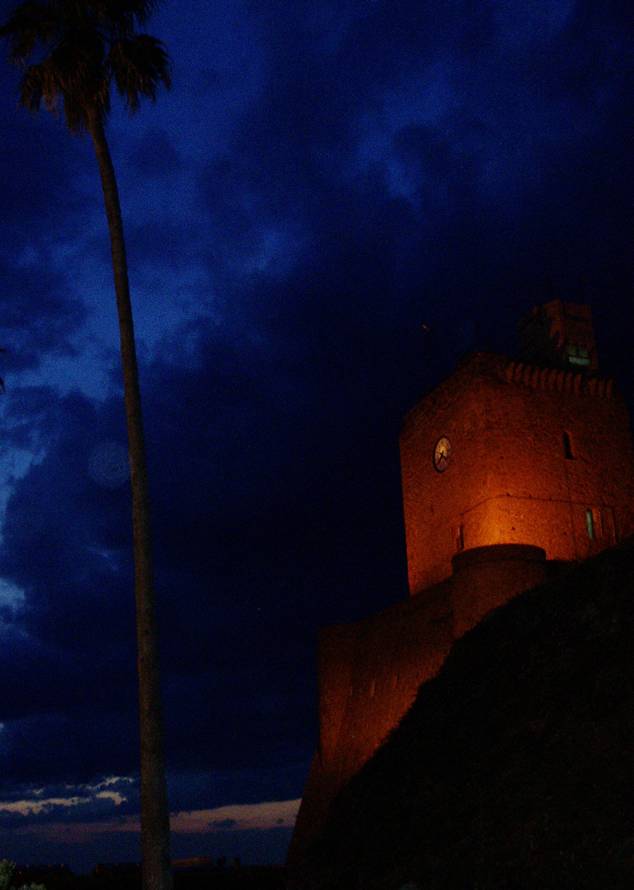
(72,53)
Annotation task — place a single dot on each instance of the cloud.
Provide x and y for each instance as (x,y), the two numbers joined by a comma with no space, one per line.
(48,803)
(261,817)
(243,817)
(222,824)
(256,834)
(246,817)
(37,806)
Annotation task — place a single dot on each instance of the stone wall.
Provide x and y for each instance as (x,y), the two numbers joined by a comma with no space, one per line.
(369,674)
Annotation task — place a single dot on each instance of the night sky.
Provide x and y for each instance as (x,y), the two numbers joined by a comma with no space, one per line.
(324,179)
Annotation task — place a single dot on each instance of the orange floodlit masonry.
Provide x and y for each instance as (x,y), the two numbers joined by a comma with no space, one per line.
(510,469)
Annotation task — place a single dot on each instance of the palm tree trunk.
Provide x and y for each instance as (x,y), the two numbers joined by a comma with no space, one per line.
(154,809)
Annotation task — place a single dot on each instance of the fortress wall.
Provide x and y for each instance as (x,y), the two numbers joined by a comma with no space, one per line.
(370,673)
(320,790)
(336,656)
(395,652)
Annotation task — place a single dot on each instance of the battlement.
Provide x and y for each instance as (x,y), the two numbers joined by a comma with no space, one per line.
(557,380)
(493,367)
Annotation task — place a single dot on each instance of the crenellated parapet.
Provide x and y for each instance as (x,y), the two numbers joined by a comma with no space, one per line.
(558,380)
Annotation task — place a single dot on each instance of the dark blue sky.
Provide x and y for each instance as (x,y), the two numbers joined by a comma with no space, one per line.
(323,178)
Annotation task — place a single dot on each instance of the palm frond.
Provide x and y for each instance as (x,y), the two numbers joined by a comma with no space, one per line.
(123,15)
(38,85)
(77,112)
(139,65)
(30,23)
(89,43)
(82,77)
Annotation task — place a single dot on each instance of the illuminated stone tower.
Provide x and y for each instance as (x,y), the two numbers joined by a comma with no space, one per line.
(510,469)
(515,452)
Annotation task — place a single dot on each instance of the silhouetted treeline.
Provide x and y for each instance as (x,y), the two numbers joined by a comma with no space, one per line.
(221,875)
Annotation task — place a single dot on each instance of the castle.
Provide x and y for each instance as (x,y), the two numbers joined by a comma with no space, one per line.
(510,470)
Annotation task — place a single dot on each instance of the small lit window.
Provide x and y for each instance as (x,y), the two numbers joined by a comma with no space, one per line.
(590,524)
(568,454)
(578,355)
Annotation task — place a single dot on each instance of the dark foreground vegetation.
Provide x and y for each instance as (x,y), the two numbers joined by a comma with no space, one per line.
(217,876)
(514,768)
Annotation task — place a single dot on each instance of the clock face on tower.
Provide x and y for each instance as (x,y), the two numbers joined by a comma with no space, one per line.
(442,453)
